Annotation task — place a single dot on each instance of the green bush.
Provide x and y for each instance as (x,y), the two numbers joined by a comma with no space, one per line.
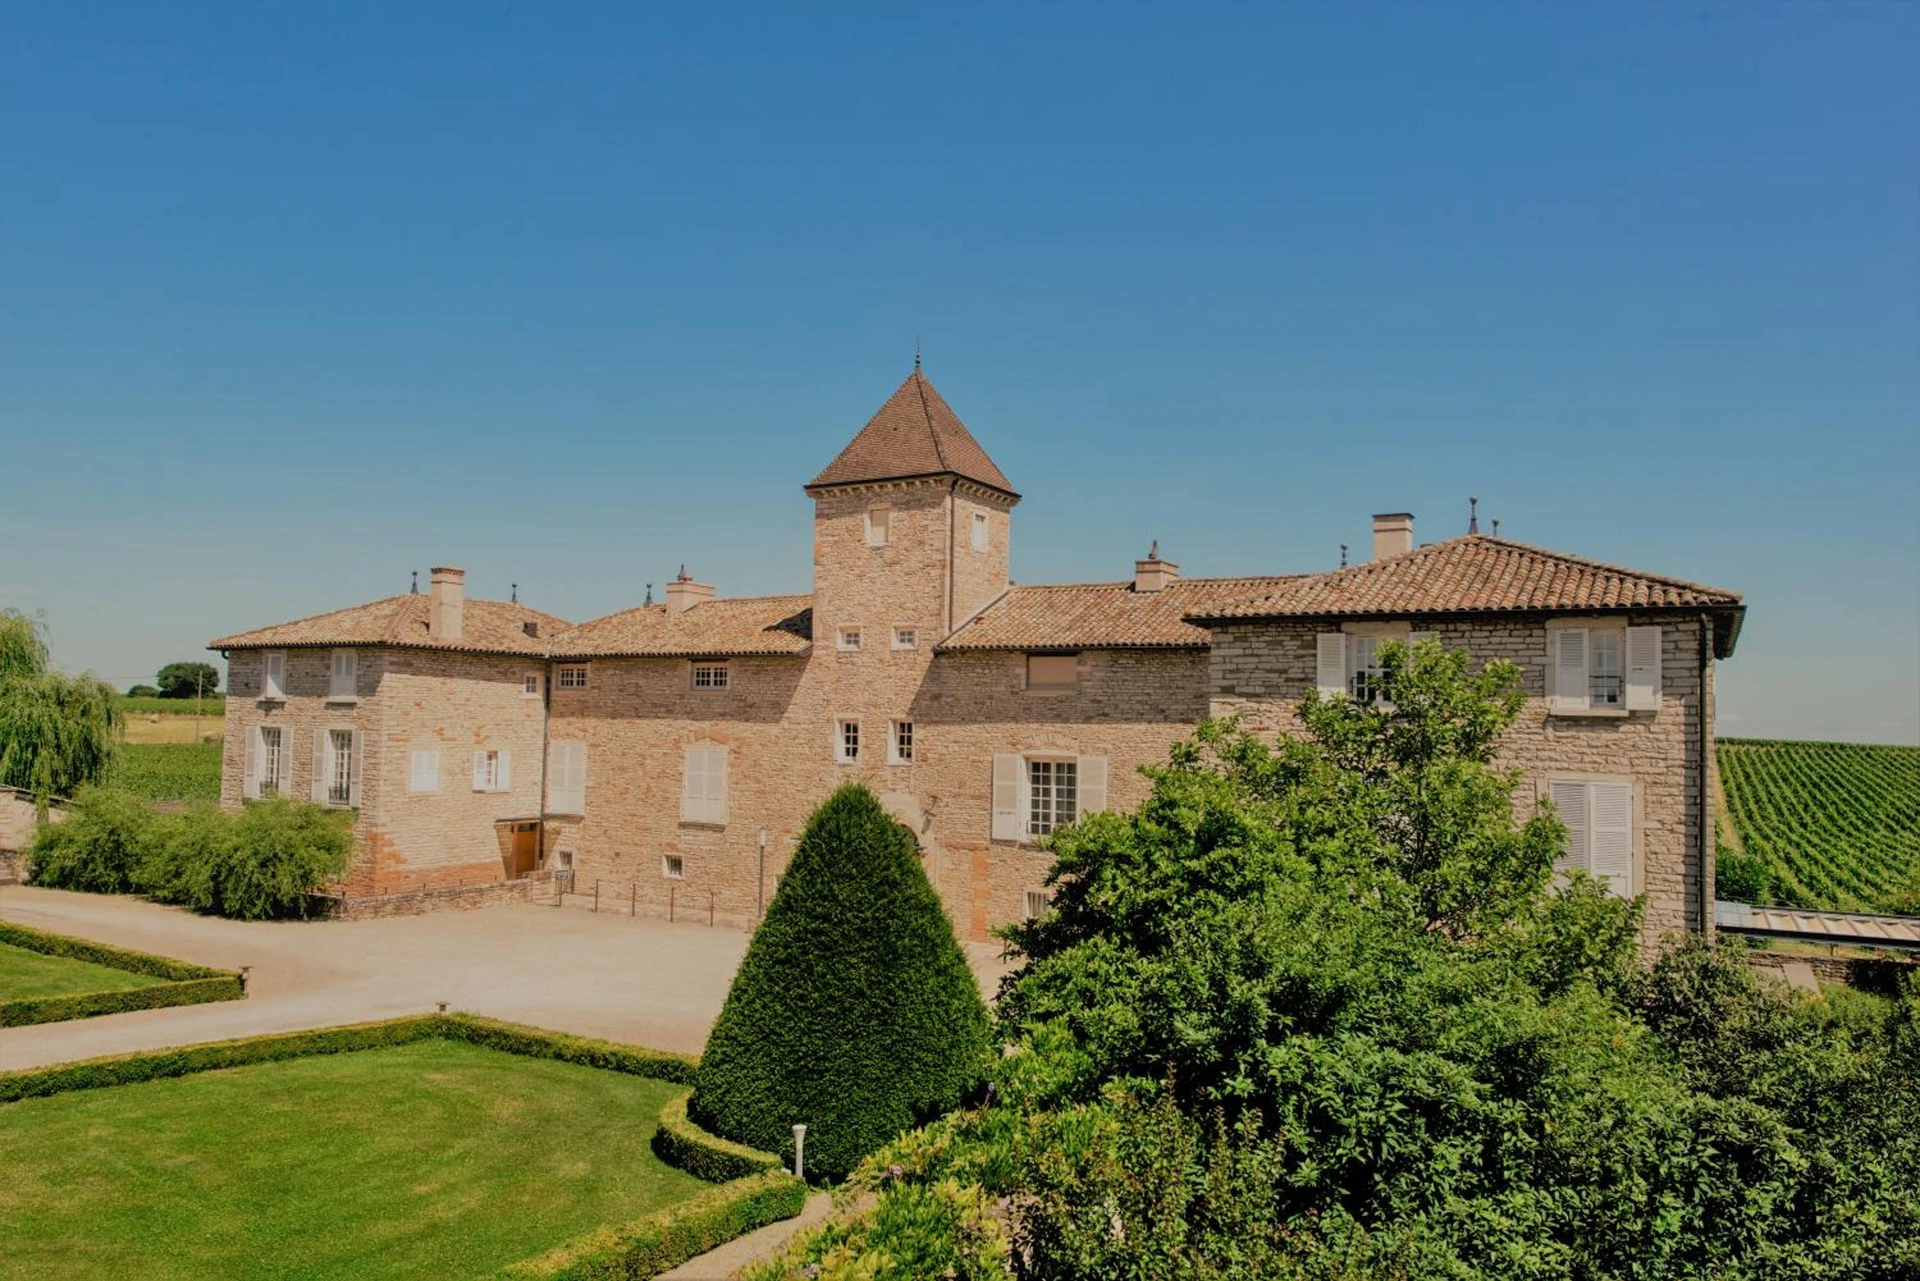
(854,1010)
(96,846)
(140,691)
(685,1146)
(536,1043)
(168,771)
(665,1240)
(263,861)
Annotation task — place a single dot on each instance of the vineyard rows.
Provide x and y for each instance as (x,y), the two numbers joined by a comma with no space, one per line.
(169,771)
(1838,824)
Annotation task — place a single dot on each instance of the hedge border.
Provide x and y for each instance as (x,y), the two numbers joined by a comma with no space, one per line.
(188,985)
(650,1246)
(685,1146)
(763,1193)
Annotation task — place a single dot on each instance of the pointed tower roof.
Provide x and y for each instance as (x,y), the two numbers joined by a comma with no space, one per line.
(916,433)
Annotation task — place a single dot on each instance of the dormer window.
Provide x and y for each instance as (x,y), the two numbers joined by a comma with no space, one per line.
(849,638)
(878,519)
(1053,673)
(711,676)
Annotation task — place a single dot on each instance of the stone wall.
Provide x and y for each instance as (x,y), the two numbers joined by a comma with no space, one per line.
(1262,670)
(537,888)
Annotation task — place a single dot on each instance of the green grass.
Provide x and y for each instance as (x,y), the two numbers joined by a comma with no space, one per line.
(211,705)
(433,1159)
(30,976)
(169,771)
(1837,825)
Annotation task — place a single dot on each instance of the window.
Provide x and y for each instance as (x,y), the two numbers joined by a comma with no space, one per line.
(846,742)
(530,685)
(572,677)
(492,770)
(273,675)
(1599,819)
(979,531)
(1034,795)
(425,773)
(1363,666)
(339,773)
(1605,681)
(703,785)
(878,518)
(906,638)
(849,638)
(271,778)
(1603,669)
(340,685)
(1039,903)
(567,778)
(1053,672)
(673,867)
(900,749)
(710,676)
(1053,793)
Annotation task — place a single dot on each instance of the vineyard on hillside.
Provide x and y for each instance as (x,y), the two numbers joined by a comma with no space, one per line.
(1821,825)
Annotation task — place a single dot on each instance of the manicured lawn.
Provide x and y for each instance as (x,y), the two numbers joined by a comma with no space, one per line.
(436,1159)
(26,976)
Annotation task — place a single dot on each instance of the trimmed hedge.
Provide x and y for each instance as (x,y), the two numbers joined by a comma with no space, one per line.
(190,985)
(534,1043)
(854,1011)
(665,1240)
(685,1146)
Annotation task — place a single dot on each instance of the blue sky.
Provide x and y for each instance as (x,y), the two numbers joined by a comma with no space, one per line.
(294,300)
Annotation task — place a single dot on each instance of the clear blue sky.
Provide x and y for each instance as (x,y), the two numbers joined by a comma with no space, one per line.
(296,299)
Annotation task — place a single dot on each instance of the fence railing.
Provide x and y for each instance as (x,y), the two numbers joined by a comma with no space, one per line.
(604,895)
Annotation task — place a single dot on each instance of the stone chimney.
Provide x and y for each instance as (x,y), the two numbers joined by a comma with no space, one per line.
(1154,574)
(683,593)
(1392,534)
(446,602)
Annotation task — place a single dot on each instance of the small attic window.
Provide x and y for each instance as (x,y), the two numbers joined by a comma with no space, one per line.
(531,628)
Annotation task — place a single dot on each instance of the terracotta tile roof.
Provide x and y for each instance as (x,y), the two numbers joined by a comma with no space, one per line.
(749,625)
(915,434)
(1826,927)
(1473,574)
(1104,615)
(487,627)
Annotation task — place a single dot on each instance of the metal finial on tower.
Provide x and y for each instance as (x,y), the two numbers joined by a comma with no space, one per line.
(649,599)
(516,592)
(1473,514)
(1343,555)
(683,574)
(1153,552)
(1496,527)
(416,583)
(916,353)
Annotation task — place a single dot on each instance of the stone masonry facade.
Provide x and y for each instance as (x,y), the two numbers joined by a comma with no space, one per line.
(671,754)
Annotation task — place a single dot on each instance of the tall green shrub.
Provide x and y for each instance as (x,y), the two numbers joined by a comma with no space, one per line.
(97,846)
(854,1011)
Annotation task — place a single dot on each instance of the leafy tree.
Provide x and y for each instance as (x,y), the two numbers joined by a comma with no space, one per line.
(854,1011)
(142,691)
(1317,1009)
(57,732)
(184,680)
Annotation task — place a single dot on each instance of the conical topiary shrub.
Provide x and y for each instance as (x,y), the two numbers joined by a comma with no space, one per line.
(854,1011)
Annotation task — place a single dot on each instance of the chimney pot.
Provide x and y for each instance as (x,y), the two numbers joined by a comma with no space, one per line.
(1154,574)
(446,602)
(1392,534)
(683,593)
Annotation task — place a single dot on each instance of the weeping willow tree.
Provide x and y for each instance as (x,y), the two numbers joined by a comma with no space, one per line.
(56,731)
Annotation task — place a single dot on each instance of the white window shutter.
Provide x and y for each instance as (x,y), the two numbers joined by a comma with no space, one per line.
(717,785)
(1007,789)
(503,777)
(359,761)
(319,788)
(1569,664)
(577,777)
(1093,784)
(273,675)
(1330,663)
(1610,849)
(1571,800)
(250,781)
(479,771)
(1643,669)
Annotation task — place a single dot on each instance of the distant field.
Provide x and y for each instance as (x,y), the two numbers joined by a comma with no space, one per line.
(211,705)
(170,771)
(173,729)
(1835,825)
